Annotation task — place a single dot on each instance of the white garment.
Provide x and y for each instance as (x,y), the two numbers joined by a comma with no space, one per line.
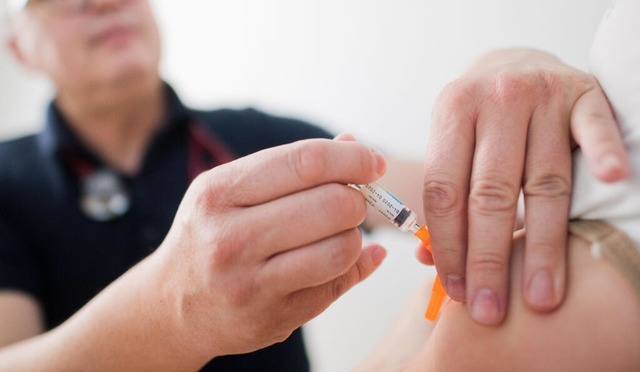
(615,61)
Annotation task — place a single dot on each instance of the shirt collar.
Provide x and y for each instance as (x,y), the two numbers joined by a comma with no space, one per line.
(57,135)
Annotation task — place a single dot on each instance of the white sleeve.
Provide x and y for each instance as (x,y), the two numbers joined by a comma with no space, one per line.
(615,61)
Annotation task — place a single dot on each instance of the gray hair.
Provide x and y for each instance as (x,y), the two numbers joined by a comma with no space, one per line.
(4,18)
(8,9)
(14,6)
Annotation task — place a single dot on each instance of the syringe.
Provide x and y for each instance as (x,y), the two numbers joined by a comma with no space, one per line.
(396,212)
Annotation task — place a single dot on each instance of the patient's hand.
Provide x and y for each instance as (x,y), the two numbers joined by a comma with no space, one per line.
(504,126)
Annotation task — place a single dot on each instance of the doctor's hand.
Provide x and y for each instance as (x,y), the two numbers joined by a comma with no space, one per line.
(261,245)
(507,125)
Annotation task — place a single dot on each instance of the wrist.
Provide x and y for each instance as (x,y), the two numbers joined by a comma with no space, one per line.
(171,302)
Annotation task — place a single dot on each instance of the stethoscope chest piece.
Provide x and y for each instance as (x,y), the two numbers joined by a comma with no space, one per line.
(104,196)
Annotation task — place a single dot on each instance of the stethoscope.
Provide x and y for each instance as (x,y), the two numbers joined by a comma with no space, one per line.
(104,194)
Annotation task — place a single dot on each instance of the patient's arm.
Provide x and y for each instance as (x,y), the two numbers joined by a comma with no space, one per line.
(21,317)
(597,328)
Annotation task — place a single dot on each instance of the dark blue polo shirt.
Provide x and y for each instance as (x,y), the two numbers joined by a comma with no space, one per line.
(51,250)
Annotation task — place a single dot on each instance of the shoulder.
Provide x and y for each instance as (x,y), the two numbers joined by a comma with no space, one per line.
(600,312)
(21,167)
(16,154)
(249,130)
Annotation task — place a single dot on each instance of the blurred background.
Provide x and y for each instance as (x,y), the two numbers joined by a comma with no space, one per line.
(369,67)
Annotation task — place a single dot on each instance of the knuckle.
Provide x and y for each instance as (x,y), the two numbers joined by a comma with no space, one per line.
(552,84)
(347,250)
(225,250)
(344,252)
(354,239)
(441,197)
(450,259)
(600,119)
(596,131)
(339,286)
(344,203)
(455,93)
(487,262)
(200,181)
(208,192)
(547,186)
(518,87)
(453,97)
(508,87)
(512,87)
(360,272)
(309,161)
(221,255)
(597,125)
(491,195)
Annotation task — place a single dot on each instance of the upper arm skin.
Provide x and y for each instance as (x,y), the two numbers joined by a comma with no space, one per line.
(20,317)
(597,328)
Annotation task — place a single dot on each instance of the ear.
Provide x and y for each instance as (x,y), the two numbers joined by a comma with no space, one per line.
(15,50)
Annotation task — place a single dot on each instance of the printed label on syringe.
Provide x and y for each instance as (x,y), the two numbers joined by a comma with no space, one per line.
(389,206)
(382,200)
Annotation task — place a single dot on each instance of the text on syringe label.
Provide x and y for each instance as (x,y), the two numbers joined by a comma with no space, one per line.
(383,201)
(387,204)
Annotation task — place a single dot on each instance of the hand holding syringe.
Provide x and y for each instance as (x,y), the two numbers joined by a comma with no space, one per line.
(404,219)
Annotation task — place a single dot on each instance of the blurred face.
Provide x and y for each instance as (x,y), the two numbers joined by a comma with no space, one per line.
(80,43)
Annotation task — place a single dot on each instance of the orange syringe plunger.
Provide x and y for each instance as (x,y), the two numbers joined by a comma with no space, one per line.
(404,219)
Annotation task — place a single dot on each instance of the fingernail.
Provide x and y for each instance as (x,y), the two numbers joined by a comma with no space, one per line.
(455,285)
(484,307)
(610,162)
(381,162)
(378,254)
(345,137)
(540,291)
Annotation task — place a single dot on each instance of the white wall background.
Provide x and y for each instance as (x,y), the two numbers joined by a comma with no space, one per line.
(369,67)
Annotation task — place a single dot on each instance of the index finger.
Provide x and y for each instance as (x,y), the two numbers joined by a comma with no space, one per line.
(279,171)
(446,184)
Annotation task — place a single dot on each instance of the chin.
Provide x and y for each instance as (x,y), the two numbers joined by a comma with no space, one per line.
(129,58)
(131,67)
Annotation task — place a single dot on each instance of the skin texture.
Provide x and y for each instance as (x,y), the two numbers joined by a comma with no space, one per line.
(103,62)
(213,289)
(511,118)
(230,277)
(597,328)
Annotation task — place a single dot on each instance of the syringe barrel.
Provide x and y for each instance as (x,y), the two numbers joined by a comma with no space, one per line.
(392,208)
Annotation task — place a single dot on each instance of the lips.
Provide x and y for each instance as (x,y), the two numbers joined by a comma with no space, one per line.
(116,33)
(114,29)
